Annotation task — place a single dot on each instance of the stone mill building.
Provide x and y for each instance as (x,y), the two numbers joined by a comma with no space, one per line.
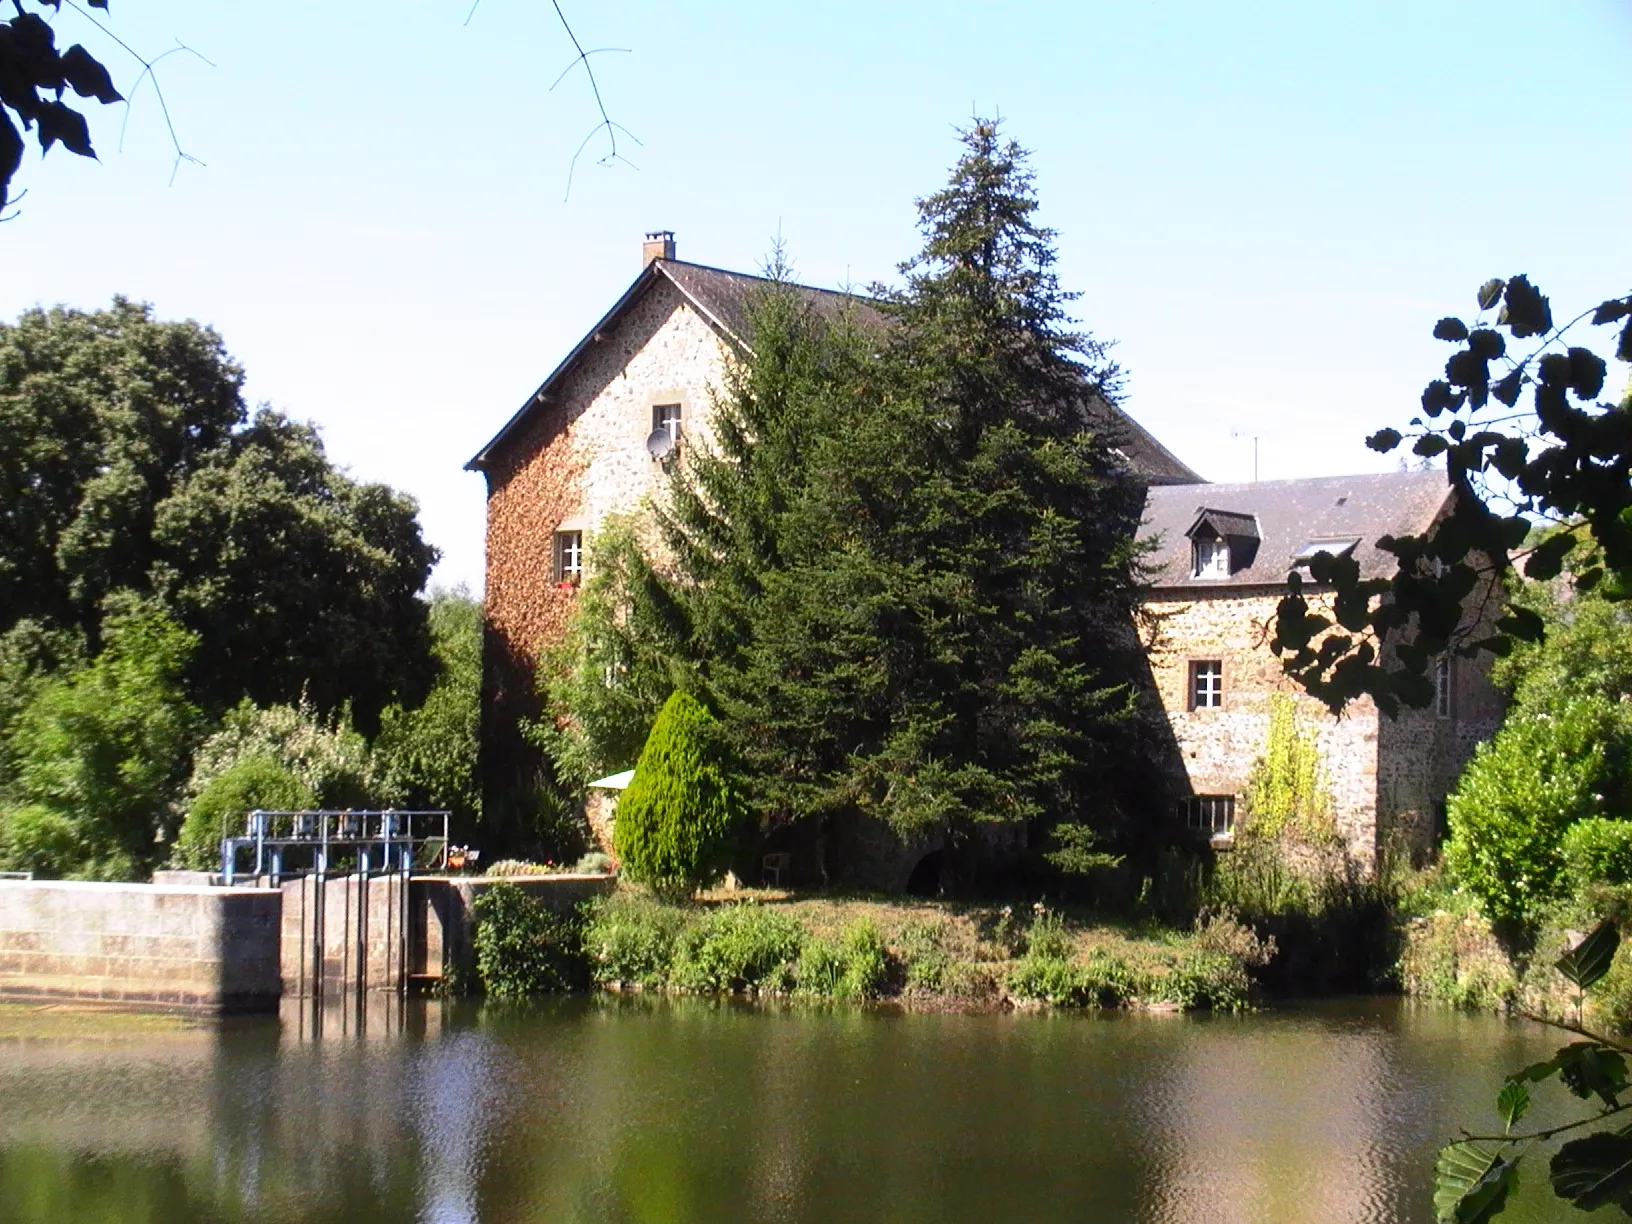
(593,439)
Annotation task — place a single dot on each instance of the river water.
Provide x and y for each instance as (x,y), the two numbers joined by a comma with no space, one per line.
(613,1110)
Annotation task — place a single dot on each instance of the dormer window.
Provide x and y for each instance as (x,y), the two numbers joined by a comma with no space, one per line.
(1212,558)
(1222,543)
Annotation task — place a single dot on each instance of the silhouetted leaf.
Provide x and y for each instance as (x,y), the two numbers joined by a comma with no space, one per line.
(1429,445)
(1548,558)
(1487,344)
(59,122)
(1471,1185)
(1587,371)
(1507,388)
(1450,329)
(1594,1171)
(1384,440)
(1590,959)
(1525,311)
(1437,397)
(1615,308)
(1491,292)
(1521,623)
(87,76)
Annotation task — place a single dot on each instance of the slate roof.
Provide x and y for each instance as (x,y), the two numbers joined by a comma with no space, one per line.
(1226,523)
(1289,515)
(723,298)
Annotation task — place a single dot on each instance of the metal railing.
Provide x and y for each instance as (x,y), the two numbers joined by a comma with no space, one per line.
(403,838)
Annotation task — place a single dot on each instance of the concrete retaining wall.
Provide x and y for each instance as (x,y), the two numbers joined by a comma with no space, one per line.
(173,946)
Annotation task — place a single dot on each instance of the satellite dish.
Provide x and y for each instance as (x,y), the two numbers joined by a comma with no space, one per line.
(660,443)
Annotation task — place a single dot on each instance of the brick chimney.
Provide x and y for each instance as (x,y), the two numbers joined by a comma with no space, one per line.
(659,244)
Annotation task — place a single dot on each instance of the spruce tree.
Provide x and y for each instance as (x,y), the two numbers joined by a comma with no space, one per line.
(905,576)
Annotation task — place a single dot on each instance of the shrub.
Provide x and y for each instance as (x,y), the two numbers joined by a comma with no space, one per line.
(1522,790)
(740,947)
(1598,850)
(854,966)
(1455,958)
(331,760)
(681,818)
(631,939)
(921,947)
(102,746)
(519,867)
(1102,980)
(595,863)
(36,838)
(219,809)
(524,949)
(1205,979)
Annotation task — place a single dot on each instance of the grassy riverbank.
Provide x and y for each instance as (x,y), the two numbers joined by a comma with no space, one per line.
(919,953)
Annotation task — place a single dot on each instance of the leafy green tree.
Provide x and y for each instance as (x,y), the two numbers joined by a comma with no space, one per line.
(1565,458)
(98,752)
(682,817)
(219,809)
(31,67)
(428,753)
(128,463)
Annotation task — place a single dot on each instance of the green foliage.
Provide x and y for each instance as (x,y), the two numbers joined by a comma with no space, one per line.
(853,967)
(98,750)
(1508,816)
(1545,460)
(428,754)
(36,74)
(330,759)
(1287,791)
(921,946)
(604,685)
(218,810)
(1076,851)
(681,818)
(1597,850)
(738,948)
(524,949)
(1475,1176)
(630,940)
(1455,958)
(128,462)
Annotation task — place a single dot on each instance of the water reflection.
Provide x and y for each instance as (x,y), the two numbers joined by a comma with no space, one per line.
(606,1111)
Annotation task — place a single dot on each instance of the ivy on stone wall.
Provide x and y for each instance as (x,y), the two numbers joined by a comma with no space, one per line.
(1288,791)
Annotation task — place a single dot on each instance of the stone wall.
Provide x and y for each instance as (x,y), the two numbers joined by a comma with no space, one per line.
(205,949)
(364,926)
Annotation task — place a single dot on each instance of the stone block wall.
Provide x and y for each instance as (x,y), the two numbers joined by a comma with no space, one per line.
(193,948)
(363,929)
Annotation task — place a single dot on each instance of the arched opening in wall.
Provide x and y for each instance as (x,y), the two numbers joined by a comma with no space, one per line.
(925,880)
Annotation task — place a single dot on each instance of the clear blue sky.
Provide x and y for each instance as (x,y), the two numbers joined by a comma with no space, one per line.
(1265,204)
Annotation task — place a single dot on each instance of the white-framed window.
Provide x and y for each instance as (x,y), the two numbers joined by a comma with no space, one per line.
(1206,684)
(1444,677)
(1212,558)
(667,417)
(569,556)
(1210,814)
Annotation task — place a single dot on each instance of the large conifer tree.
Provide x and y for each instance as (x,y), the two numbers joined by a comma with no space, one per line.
(906,575)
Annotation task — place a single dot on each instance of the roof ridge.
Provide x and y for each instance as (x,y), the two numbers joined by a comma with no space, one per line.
(767,280)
